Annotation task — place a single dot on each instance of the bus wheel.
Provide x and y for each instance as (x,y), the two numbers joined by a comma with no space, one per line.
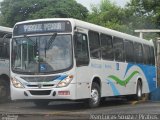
(139,91)
(103,100)
(94,101)
(41,103)
(4,90)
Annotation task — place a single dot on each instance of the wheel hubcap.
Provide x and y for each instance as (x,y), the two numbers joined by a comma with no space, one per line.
(139,91)
(94,95)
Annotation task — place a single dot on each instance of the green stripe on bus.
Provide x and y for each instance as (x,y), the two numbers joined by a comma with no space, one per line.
(123,82)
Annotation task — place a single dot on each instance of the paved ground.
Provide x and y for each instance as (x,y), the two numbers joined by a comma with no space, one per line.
(71,110)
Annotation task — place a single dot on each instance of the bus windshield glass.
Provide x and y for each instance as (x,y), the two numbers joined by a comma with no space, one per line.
(41,54)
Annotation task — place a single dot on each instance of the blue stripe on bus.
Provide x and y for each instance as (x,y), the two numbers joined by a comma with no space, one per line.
(62,77)
(149,72)
(114,89)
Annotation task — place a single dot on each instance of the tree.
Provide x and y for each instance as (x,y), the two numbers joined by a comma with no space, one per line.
(109,15)
(13,11)
(143,18)
(138,14)
(144,14)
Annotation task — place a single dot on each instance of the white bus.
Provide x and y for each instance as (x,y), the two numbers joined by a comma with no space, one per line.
(5,35)
(68,59)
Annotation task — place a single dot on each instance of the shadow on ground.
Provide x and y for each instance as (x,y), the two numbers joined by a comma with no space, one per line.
(80,106)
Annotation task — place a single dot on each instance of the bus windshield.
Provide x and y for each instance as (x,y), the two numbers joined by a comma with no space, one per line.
(41,54)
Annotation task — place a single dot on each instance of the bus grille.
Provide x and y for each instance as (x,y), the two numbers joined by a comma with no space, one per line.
(40,79)
(41,92)
(45,85)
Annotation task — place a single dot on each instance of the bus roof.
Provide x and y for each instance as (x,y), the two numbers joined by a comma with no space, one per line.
(6,29)
(93,27)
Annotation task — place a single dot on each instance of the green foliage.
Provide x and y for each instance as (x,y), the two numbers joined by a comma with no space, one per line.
(145,14)
(109,15)
(138,14)
(13,11)
(143,18)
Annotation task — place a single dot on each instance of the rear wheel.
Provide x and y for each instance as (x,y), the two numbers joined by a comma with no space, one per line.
(4,90)
(94,101)
(139,91)
(138,96)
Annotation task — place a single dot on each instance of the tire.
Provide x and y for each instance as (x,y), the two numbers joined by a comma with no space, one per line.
(139,91)
(4,90)
(130,97)
(94,101)
(103,101)
(41,103)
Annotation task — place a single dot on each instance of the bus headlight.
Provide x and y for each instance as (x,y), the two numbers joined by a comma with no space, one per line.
(65,82)
(16,83)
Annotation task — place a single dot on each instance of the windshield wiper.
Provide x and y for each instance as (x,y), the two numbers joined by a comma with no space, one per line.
(51,40)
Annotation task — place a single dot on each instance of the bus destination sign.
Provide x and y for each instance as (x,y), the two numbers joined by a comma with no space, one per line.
(43,27)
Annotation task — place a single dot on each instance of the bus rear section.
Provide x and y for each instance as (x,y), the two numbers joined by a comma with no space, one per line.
(5,36)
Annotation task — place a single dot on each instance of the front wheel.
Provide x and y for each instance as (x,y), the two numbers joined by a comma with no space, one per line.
(94,101)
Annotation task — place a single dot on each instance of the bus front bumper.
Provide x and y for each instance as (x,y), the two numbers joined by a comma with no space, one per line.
(68,93)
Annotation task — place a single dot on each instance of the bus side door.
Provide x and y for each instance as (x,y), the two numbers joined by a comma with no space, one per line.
(82,64)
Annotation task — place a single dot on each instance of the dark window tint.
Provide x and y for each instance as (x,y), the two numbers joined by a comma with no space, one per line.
(138,52)
(152,58)
(94,44)
(1,49)
(81,49)
(4,50)
(118,49)
(147,55)
(129,51)
(107,47)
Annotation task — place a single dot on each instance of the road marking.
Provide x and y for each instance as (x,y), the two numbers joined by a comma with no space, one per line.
(65,112)
(57,113)
(134,102)
(72,112)
(140,101)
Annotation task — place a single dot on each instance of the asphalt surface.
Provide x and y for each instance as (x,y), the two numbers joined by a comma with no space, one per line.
(111,109)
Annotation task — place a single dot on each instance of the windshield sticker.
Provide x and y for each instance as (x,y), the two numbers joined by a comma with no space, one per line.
(42,67)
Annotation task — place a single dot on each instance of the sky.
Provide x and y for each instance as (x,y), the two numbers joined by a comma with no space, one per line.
(87,3)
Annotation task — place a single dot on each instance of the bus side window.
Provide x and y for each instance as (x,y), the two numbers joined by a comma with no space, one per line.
(146,54)
(138,53)
(152,58)
(118,49)
(107,47)
(94,43)
(6,50)
(129,49)
(1,49)
(81,49)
